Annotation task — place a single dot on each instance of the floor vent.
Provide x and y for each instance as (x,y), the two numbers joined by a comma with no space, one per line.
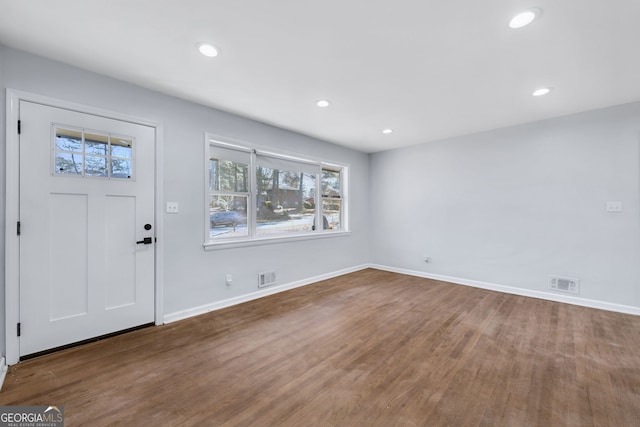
(267,278)
(564,284)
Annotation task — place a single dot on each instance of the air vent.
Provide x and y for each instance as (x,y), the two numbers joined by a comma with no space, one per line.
(266,278)
(564,284)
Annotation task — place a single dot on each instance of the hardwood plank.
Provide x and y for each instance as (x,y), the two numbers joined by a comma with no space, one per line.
(371,348)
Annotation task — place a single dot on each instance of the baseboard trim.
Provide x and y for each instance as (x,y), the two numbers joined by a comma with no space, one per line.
(3,371)
(626,309)
(195,311)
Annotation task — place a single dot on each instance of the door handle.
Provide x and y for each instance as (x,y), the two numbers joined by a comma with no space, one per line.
(145,241)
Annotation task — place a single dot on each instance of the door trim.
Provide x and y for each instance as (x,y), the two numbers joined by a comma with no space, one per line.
(12,207)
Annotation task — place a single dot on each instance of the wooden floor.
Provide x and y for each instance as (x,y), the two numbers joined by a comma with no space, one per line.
(367,349)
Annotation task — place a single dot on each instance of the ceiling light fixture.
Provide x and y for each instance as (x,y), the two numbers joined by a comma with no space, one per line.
(322,103)
(207,49)
(387,131)
(524,18)
(541,91)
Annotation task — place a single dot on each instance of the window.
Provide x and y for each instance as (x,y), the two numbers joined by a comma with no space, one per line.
(228,192)
(254,195)
(79,152)
(285,195)
(332,199)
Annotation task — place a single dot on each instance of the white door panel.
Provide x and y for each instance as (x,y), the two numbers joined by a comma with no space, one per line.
(120,282)
(82,274)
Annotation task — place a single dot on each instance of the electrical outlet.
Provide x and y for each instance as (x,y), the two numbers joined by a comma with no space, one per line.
(173,207)
(427,259)
(614,206)
(229,279)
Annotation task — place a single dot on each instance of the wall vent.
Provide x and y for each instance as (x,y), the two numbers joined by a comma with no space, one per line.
(266,278)
(564,284)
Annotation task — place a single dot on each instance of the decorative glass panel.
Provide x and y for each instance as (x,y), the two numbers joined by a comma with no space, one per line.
(120,168)
(91,153)
(96,166)
(69,163)
(68,140)
(121,147)
(96,144)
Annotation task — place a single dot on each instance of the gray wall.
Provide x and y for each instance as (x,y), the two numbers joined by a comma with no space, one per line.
(512,206)
(2,200)
(193,276)
(508,207)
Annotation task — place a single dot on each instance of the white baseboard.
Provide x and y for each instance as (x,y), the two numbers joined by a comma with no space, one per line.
(517,291)
(3,371)
(195,311)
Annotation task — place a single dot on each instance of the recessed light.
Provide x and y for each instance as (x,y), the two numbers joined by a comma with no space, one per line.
(207,49)
(524,18)
(322,103)
(541,91)
(387,131)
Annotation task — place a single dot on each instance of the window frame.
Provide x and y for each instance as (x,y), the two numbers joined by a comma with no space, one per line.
(229,193)
(341,190)
(252,239)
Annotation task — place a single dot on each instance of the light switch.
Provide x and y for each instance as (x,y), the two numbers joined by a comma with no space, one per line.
(614,206)
(173,207)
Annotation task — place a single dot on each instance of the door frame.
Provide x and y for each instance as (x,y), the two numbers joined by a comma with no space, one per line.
(12,207)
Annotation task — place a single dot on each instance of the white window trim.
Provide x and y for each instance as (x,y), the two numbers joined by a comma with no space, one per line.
(253,240)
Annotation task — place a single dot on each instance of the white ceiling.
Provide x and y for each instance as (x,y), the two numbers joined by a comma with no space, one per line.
(429,69)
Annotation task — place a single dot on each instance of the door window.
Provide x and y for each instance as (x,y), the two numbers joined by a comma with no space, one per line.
(79,152)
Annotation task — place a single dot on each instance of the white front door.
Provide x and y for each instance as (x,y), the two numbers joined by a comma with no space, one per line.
(86,226)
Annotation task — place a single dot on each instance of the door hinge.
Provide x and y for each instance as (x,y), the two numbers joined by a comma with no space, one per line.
(19,127)
(18,228)
(19,328)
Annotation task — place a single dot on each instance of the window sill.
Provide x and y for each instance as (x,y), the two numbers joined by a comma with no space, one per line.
(259,241)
